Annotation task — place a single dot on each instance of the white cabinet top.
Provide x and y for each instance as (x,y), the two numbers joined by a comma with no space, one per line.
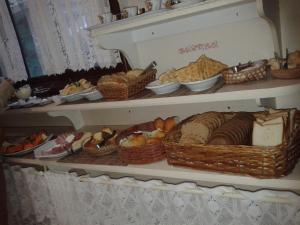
(162,16)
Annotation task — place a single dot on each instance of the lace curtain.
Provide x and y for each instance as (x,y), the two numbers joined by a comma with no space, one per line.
(11,61)
(50,198)
(60,38)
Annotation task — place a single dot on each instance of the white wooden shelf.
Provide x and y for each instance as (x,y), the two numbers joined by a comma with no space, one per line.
(252,90)
(161,170)
(162,16)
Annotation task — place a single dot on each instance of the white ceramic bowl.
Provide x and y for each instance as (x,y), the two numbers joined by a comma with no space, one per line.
(93,95)
(202,84)
(24,92)
(158,88)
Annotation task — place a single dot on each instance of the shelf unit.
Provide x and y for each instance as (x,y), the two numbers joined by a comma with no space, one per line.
(123,35)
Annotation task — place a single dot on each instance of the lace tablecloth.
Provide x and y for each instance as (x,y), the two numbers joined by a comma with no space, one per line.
(64,199)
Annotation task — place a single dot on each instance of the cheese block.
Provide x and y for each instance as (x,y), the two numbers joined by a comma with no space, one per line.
(268,134)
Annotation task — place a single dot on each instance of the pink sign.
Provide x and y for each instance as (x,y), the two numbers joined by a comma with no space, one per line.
(198,47)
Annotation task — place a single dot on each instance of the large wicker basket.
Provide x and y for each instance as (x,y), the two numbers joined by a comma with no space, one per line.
(144,154)
(257,161)
(124,91)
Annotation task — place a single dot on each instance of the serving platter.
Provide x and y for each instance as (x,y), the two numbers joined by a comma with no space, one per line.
(30,102)
(57,148)
(27,151)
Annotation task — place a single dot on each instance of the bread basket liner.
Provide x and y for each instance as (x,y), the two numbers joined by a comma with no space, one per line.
(147,153)
(257,72)
(257,161)
(124,91)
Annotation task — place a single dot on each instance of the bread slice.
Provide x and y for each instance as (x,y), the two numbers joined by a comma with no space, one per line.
(268,134)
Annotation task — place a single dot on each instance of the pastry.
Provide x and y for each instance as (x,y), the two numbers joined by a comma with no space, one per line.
(75,87)
(170,122)
(159,123)
(134,73)
(294,59)
(134,140)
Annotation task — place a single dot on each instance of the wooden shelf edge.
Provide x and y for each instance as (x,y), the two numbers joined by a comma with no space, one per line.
(161,170)
(276,88)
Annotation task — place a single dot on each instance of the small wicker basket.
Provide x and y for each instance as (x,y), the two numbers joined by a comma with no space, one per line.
(255,71)
(124,91)
(257,161)
(142,154)
(286,73)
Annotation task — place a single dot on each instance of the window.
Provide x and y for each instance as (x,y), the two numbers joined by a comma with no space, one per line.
(21,24)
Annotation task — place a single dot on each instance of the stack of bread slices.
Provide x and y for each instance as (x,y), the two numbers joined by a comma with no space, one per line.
(274,127)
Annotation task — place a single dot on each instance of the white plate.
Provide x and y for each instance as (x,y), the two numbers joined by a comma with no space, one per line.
(49,145)
(159,88)
(202,84)
(93,95)
(72,97)
(32,101)
(26,151)
(76,96)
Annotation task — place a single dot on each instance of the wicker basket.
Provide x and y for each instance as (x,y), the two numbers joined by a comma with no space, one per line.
(262,162)
(124,91)
(257,71)
(286,73)
(144,154)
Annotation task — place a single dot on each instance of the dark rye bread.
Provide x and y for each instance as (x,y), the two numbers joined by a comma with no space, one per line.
(236,131)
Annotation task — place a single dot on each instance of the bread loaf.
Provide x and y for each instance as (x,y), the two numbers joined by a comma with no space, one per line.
(274,127)
(236,131)
(268,135)
(199,128)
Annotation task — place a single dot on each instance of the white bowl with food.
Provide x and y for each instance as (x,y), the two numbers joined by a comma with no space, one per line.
(24,92)
(163,88)
(202,85)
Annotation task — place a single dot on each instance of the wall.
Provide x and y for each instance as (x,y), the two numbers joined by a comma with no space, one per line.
(126,3)
(290,24)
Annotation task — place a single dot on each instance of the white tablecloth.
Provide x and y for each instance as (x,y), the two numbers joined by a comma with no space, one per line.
(65,199)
